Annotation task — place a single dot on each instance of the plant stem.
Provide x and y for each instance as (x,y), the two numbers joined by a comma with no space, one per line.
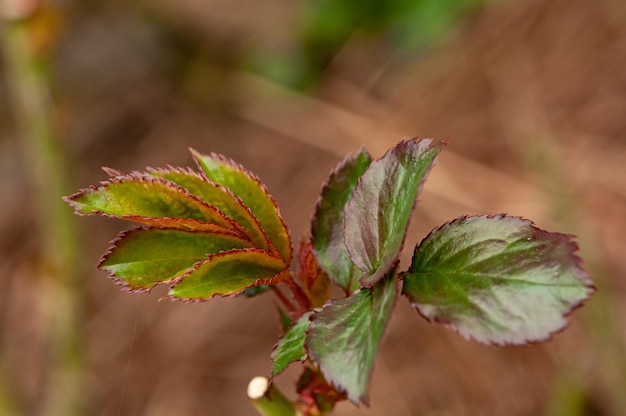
(26,30)
(283,299)
(298,294)
(268,400)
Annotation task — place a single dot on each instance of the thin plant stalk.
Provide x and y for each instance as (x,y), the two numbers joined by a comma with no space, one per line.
(268,400)
(27,68)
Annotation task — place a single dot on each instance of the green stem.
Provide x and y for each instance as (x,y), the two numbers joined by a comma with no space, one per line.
(268,400)
(27,70)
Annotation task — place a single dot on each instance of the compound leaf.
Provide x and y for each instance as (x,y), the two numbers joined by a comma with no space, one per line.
(149,200)
(497,280)
(344,336)
(378,213)
(143,257)
(228,273)
(247,187)
(217,196)
(290,347)
(328,221)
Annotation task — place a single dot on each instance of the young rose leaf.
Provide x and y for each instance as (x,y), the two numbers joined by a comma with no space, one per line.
(315,282)
(497,280)
(344,337)
(328,221)
(378,213)
(219,197)
(228,273)
(143,257)
(149,200)
(255,290)
(290,347)
(254,195)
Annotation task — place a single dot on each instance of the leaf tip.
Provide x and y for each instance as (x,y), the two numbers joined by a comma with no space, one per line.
(75,201)
(194,153)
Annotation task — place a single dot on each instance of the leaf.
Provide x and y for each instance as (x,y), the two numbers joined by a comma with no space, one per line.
(378,213)
(254,195)
(228,273)
(315,282)
(328,221)
(497,280)
(149,200)
(344,337)
(290,347)
(143,257)
(217,196)
(255,290)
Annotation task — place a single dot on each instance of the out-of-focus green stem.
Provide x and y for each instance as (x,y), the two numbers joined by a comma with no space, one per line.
(268,400)
(7,402)
(28,82)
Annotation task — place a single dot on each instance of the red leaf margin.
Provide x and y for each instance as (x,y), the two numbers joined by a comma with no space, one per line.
(277,278)
(162,222)
(230,162)
(364,281)
(576,262)
(113,245)
(201,176)
(314,221)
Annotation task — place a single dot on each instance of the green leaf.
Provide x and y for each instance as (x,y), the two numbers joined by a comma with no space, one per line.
(150,200)
(254,195)
(378,213)
(217,196)
(344,337)
(497,280)
(255,290)
(143,257)
(328,221)
(228,273)
(290,347)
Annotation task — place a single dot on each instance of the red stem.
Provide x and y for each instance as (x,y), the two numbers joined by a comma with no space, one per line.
(283,299)
(298,294)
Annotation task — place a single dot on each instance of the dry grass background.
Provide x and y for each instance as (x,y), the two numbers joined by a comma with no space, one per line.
(531,96)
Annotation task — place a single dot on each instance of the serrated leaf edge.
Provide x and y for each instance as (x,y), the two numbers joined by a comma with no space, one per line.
(141,177)
(441,144)
(112,172)
(314,219)
(364,398)
(331,175)
(576,262)
(114,244)
(278,277)
(306,354)
(200,175)
(197,155)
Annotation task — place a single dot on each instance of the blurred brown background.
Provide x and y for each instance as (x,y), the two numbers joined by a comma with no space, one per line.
(530,94)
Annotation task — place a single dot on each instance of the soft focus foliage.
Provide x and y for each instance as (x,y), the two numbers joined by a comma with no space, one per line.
(218,232)
(495,279)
